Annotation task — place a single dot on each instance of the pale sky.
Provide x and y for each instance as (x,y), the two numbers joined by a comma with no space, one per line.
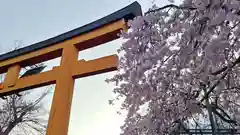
(32,21)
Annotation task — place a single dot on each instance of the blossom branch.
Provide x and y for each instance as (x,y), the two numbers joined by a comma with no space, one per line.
(226,67)
(170,6)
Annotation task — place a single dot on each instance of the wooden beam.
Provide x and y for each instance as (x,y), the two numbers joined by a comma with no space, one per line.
(62,99)
(93,38)
(12,76)
(31,82)
(80,69)
(96,66)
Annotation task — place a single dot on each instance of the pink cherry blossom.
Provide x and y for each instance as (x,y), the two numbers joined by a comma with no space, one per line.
(181,62)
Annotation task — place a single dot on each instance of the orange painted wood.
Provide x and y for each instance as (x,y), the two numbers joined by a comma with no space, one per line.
(30,82)
(96,66)
(12,76)
(61,105)
(1,86)
(93,38)
(63,75)
(79,69)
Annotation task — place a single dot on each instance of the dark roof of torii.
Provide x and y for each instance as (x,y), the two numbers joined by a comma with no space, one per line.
(129,12)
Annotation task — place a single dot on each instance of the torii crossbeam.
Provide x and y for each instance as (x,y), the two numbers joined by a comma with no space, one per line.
(66,46)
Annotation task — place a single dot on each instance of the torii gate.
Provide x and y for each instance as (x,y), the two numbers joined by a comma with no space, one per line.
(66,46)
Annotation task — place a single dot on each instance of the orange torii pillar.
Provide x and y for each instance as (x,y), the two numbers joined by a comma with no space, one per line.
(66,46)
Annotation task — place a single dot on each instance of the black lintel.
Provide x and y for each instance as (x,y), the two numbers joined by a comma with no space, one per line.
(127,13)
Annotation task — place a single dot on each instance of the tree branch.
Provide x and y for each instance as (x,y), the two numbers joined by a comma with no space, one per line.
(223,118)
(222,77)
(237,61)
(213,87)
(170,6)
(184,128)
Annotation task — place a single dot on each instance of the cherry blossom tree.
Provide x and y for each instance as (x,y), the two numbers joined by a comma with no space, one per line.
(182,63)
